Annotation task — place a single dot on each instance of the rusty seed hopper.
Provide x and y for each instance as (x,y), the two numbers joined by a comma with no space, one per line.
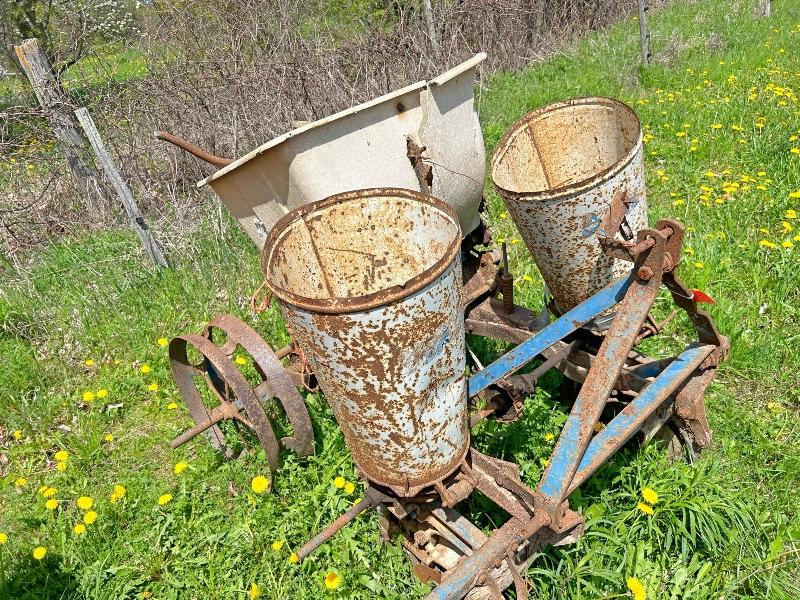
(425,137)
(567,172)
(369,283)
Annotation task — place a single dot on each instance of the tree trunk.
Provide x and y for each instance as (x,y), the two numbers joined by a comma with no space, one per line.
(122,189)
(55,105)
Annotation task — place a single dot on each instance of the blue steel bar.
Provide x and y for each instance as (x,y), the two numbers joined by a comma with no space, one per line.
(566,324)
(596,388)
(626,423)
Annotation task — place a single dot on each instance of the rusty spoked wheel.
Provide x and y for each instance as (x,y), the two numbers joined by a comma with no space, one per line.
(238,401)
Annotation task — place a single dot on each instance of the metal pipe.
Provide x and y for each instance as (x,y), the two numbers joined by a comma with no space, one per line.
(198,152)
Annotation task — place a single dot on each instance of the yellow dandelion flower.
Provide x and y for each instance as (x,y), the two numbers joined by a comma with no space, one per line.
(180,467)
(636,588)
(349,488)
(527,278)
(90,517)
(787,244)
(17,434)
(51,504)
(795,150)
(172,405)
(786,226)
(699,265)
(332,580)
(790,213)
(162,341)
(716,126)
(118,493)
(145,369)
(152,387)
(102,393)
(62,466)
(277,545)
(164,499)
(645,508)
(88,396)
(293,558)
(88,362)
(650,495)
(766,244)
(3,538)
(255,591)
(39,552)
(79,528)
(49,492)
(794,194)
(84,502)
(108,437)
(549,437)
(339,482)
(259,484)
(598,427)
(240,360)
(21,482)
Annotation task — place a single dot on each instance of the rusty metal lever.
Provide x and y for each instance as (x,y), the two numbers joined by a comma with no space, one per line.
(212,159)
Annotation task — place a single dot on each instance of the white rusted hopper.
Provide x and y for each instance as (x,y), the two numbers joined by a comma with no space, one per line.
(369,145)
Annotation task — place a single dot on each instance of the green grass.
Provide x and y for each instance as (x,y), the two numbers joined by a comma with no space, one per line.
(726,526)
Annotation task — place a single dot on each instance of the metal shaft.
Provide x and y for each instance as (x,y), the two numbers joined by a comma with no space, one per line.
(324,535)
(220,413)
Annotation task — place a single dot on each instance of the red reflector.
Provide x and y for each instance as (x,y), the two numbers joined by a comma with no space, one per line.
(702,297)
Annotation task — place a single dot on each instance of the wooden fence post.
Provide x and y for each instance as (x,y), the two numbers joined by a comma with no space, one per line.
(122,189)
(55,106)
(644,33)
(767,8)
(433,33)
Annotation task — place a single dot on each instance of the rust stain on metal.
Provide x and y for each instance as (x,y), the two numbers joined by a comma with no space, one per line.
(376,307)
(559,170)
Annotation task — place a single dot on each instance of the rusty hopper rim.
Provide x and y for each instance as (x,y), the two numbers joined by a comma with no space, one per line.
(571,189)
(335,306)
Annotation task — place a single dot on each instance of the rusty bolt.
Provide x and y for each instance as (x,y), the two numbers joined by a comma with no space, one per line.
(683,412)
(645,273)
(480,579)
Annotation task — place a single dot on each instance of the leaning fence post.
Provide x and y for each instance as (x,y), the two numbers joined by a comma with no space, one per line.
(430,25)
(644,33)
(55,106)
(122,189)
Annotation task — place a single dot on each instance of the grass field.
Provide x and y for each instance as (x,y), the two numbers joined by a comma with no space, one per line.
(87,405)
